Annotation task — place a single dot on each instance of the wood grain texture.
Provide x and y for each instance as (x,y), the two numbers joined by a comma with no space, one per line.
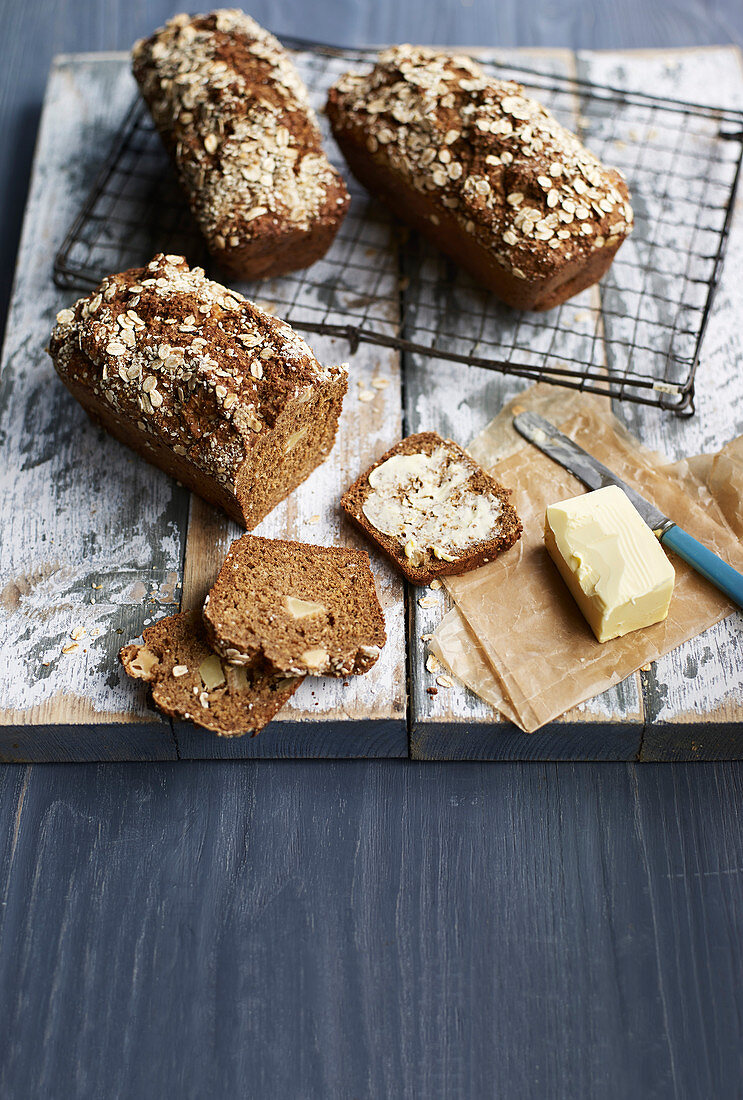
(327,929)
(334,931)
(459,405)
(693,695)
(111,540)
(84,684)
(86,542)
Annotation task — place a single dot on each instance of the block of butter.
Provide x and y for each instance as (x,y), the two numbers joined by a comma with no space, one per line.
(610,560)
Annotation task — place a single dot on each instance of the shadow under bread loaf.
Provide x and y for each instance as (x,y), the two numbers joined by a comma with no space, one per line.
(484,171)
(431,509)
(202,383)
(190,682)
(235,117)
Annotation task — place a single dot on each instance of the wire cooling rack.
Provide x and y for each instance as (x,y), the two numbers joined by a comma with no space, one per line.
(636,337)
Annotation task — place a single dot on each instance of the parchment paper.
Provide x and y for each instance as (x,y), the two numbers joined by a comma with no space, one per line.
(516,636)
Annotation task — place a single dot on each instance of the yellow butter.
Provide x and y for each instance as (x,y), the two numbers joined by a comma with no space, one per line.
(302,609)
(610,560)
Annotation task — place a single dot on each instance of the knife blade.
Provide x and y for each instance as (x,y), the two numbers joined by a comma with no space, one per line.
(595,475)
(582,465)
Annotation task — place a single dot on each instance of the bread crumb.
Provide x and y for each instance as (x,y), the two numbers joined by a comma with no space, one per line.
(428,601)
(435,584)
(444,681)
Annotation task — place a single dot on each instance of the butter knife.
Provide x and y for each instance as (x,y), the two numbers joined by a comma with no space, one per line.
(595,475)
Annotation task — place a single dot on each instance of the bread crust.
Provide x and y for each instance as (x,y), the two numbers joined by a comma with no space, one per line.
(417,210)
(484,171)
(202,383)
(172,658)
(431,567)
(248,619)
(236,120)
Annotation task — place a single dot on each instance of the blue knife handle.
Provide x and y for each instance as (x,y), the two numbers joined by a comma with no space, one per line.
(705,562)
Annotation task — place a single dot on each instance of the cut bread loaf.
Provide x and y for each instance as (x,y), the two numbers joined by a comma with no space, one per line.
(202,383)
(191,683)
(300,608)
(235,117)
(484,171)
(432,509)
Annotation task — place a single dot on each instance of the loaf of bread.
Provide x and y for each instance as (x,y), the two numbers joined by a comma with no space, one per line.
(235,117)
(190,682)
(484,171)
(200,382)
(431,509)
(296,608)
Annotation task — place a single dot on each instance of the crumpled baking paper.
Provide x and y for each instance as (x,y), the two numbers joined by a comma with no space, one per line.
(516,636)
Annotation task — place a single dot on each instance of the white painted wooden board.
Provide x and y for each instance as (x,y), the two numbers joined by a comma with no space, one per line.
(693,696)
(459,405)
(82,511)
(690,704)
(98,543)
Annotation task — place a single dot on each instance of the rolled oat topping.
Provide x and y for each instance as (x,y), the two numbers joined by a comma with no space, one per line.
(494,158)
(231,107)
(176,352)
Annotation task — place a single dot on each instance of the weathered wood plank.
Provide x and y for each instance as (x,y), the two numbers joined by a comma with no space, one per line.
(89,531)
(463,400)
(110,539)
(143,584)
(694,695)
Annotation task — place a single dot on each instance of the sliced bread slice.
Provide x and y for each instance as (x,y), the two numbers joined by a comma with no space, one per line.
(300,608)
(432,509)
(190,682)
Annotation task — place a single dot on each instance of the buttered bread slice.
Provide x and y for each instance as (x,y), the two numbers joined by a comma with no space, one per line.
(432,509)
(299,608)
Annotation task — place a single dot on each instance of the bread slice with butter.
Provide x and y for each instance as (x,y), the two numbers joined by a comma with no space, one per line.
(431,509)
(610,560)
(190,682)
(299,608)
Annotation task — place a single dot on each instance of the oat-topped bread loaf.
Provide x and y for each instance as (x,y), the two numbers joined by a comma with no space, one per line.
(297,607)
(234,115)
(201,382)
(432,509)
(189,681)
(484,171)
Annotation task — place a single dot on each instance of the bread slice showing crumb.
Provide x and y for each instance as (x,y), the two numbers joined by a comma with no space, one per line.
(190,682)
(432,509)
(299,608)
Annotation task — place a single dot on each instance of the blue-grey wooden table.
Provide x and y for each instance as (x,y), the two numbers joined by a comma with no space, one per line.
(364,929)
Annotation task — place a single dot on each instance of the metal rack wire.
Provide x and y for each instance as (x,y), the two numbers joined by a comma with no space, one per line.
(636,337)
